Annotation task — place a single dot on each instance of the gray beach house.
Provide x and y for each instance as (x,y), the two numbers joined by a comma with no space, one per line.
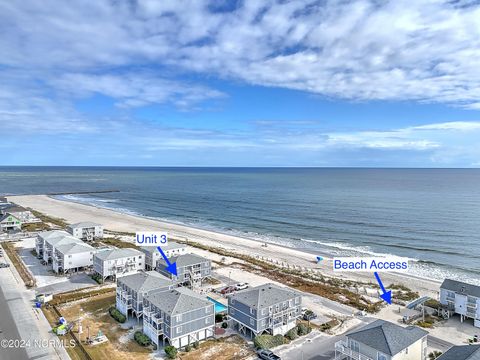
(178,317)
(191,269)
(383,340)
(458,297)
(267,308)
(131,289)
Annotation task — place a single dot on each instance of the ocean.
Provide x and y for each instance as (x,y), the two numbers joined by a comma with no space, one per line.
(431,216)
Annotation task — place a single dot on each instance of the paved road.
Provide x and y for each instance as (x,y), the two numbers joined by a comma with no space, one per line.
(438,343)
(9,331)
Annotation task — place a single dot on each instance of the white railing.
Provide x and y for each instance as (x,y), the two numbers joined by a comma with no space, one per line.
(342,347)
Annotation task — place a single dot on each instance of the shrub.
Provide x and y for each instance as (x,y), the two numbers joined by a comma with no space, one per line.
(268,341)
(303,329)
(292,334)
(224,325)
(97,278)
(117,315)
(218,318)
(434,355)
(196,344)
(171,352)
(188,348)
(141,338)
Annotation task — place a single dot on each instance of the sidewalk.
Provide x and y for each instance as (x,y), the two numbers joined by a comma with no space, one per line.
(31,323)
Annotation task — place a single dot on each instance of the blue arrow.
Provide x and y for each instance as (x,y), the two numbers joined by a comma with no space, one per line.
(387,295)
(171,268)
(319,258)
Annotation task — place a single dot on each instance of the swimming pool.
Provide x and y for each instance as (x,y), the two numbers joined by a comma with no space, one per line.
(219,307)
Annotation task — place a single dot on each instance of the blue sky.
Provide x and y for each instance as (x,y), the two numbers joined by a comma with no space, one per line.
(240,83)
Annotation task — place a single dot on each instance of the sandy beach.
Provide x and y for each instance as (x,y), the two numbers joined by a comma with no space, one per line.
(121,222)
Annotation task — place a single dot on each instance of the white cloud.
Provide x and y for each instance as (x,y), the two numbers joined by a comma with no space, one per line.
(362,50)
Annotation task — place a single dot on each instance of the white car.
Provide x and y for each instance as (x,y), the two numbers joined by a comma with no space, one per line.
(241,286)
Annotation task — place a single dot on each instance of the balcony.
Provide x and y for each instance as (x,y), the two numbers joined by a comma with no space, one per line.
(342,348)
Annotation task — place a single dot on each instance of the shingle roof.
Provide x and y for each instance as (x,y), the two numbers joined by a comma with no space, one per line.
(145,281)
(171,245)
(112,254)
(52,234)
(464,352)
(264,296)
(184,260)
(178,301)
(13,208)
(387,337)
(461,287)
(63,240)
(74,248)
(84,224)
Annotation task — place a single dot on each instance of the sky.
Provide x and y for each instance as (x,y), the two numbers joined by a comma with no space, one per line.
(240,83)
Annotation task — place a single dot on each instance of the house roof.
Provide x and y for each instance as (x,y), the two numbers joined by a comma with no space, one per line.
(387,337)
(5,216)
(145,281)
(184,260)
(84,224)
(464,352)
(63,240)
(112,254)
(461,287)
(178,301)
(264,296)
(74,248)
(171,246)
(13,208)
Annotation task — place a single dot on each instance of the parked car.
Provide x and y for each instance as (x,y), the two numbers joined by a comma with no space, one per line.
(309,315)
(4,265)
(267,355)
(227,290)
(241,286)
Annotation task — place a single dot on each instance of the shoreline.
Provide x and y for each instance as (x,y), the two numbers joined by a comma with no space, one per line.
(113,220)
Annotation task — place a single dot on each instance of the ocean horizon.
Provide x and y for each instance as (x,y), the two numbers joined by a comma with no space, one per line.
(429,215)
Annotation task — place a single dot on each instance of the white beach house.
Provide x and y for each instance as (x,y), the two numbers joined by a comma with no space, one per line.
(458,297)
(152,255)
(113,263)
(383,340)
(86,230)
(72,257)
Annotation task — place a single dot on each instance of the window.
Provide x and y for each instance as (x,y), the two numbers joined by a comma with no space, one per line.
(179,318)
(232,311)
(207,320)
(406,350)
(381,357)
(354,346)
(207,310)
(297,300)
(179,329)
(69,256)
(264,311)
(252,322)
(251,311)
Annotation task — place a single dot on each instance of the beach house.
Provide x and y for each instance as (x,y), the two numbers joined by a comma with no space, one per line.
(383,340)
(22,214)
(86,230)
(152,255)
(191,269)
(178,317)
(132,288)
(9,222)
(462,352)
(267,308)
(47,241)
(457,297)
(113,263)
(73,256)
